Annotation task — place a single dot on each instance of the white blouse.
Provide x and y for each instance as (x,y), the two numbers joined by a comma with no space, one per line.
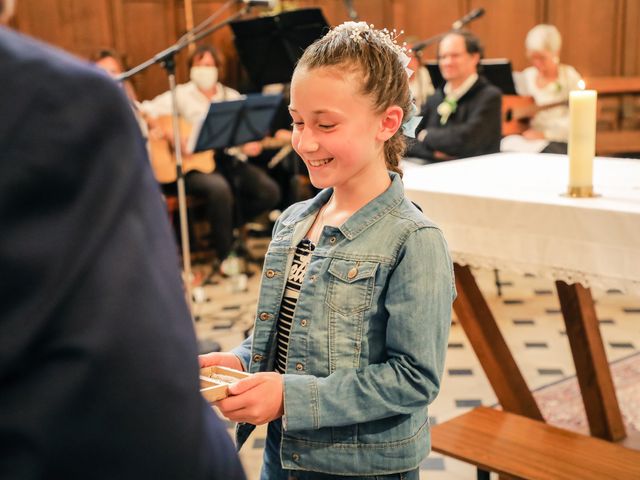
(554,122)
(193,105)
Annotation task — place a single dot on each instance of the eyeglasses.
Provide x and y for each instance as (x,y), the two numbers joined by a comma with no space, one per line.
(452,56)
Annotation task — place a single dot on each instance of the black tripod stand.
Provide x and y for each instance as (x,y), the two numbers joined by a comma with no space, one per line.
(166,59)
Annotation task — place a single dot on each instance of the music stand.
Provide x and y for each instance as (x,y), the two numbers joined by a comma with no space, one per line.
(233,123)
(496,70)
(269,47)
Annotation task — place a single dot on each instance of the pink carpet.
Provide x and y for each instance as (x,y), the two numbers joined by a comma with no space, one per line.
(561,403)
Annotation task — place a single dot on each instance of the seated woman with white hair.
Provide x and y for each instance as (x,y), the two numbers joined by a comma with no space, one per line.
(549,82)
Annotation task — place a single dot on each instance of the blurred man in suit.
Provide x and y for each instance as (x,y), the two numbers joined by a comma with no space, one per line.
(98,367)
(461,119)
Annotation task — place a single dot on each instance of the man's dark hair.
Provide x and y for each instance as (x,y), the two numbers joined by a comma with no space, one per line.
(201,50)
(471,43)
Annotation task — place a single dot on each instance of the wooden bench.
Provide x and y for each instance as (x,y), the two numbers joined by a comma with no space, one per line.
(518,447)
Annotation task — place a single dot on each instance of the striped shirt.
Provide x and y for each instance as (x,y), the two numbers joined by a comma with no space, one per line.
(301,260)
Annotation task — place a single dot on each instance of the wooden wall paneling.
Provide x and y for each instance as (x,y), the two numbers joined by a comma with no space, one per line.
(600,38)
(222,39)
(90,24)
(396,11)
(118,22)
(42,20)
(149,27)
(631,38)
(618,49)
(426,18)
(589,34)
(504,26)
(78,26)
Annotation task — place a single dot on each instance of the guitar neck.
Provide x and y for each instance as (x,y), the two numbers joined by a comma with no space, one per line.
(531,110)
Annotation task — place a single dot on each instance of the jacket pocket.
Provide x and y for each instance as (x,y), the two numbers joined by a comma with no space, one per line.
(349,296)
(351,285)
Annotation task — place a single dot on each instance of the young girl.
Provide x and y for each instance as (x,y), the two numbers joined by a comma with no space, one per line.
(355,302)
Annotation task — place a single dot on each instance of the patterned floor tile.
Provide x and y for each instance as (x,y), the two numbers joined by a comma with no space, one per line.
(524,322)
(468,402)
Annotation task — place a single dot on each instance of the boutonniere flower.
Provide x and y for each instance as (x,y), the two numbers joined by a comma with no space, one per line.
(446,109)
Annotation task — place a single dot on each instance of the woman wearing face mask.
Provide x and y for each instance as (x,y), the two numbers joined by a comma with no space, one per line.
(195,96)
(230,180)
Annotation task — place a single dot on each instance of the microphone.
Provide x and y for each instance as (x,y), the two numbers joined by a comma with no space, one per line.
(353,15)
(259,3)
(469,17)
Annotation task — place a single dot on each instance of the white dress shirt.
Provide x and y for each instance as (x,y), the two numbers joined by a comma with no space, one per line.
(193,105)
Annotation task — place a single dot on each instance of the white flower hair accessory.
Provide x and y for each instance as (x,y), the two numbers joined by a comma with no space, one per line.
(358,32)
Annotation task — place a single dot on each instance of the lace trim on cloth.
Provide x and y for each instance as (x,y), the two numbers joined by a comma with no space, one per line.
(598,282)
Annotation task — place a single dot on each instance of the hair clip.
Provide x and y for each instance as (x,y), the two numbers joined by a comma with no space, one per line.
(357,32)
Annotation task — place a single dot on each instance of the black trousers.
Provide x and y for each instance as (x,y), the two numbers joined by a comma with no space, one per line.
(234,193)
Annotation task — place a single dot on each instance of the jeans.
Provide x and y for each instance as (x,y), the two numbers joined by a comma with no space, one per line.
(272,469)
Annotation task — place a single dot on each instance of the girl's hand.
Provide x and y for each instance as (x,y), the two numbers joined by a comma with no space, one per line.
(257,400)
(225,359)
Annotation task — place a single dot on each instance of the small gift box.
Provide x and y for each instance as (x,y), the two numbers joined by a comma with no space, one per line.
(215,381)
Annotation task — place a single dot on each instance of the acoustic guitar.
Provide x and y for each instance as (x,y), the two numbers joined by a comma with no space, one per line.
(163,158)
(162,153)
(518,110)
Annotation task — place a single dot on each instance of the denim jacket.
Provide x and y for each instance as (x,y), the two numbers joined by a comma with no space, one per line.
(368,339)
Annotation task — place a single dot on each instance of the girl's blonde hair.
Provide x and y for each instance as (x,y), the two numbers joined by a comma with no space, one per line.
(358,48)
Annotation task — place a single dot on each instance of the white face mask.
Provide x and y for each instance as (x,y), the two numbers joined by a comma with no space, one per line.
(204,77)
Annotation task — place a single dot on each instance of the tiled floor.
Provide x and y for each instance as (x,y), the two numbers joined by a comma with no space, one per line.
(529,317)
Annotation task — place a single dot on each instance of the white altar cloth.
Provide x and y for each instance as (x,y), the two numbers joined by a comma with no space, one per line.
(506,211)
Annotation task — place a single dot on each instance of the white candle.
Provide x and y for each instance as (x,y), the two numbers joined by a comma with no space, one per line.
(582,137)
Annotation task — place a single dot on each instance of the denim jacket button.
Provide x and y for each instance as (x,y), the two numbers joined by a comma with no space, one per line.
(303,322)
(257,357)
(264,316)
(332,240)
(270,273)
(295,457)
(352,273)
(299,367)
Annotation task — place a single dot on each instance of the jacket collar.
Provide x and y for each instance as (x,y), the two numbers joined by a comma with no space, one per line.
(477,85)
(363,218)
(462,89)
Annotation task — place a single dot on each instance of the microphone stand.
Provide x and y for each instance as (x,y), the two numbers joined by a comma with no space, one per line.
(418,47)
(166,58)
